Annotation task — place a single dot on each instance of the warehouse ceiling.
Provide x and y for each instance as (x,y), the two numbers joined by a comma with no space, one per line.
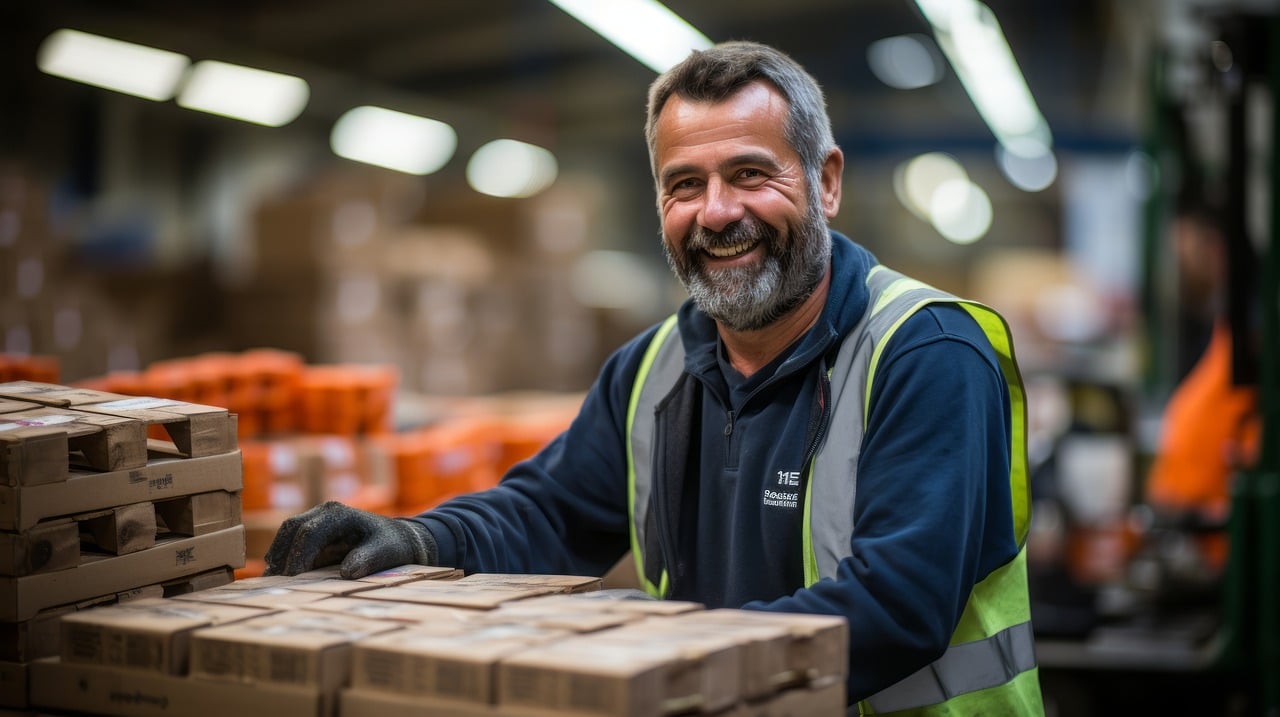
(530,71)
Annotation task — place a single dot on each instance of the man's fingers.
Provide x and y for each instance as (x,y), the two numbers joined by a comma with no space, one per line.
(282,544)
(321,541)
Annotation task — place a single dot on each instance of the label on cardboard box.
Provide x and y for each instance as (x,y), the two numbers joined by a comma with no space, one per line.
(296,647)
(149,633)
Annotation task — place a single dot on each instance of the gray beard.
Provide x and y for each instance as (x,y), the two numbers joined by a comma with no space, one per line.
(751,298)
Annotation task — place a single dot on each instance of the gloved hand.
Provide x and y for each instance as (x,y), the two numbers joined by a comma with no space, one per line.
(363,542)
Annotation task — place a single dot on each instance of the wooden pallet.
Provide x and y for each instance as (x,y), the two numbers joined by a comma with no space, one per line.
(84,491)
(40,445)
(21,598)
(195,429)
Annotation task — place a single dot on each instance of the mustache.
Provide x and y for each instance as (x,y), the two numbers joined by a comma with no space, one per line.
(748,229)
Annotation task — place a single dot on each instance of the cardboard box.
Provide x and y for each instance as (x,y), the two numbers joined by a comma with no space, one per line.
(21,507)
(389,577)
(601,675)
(264,597)
(765,668)
(52,545)
(104,690)
(824,699)
(146,634)
(295,647)
(561,583)
(21,598)
(818,647)
(452,593)
(586,678)
(459,666)
(403,612)
(556,616)
(356,702)
(411,573)
(329,586)
(607,601)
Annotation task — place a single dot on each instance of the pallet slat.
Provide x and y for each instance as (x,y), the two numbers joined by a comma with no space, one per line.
(23,597)
(196,429)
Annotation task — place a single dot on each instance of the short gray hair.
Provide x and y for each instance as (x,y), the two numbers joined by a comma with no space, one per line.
(715,74)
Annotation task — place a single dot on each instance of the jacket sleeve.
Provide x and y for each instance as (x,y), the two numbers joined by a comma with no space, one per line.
(562,511)
(932,513)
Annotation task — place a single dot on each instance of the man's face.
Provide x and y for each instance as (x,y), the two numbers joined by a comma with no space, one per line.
(739,227)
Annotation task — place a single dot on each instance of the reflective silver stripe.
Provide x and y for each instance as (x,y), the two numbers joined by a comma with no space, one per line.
(833,481)
(666,368)
(966,667)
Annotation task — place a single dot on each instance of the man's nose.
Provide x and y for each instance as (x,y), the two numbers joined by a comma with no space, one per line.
(721,206)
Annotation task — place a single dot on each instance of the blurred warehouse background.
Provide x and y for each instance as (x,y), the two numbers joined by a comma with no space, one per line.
(1029,154)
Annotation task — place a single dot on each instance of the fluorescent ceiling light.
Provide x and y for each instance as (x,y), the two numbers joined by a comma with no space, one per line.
(905,62)
(244,93)
(394,140)
(645,29)
(135,70)
(1028,171)
(971,38)
(507,168)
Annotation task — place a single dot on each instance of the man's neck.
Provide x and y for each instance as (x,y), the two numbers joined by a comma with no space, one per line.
(749,351)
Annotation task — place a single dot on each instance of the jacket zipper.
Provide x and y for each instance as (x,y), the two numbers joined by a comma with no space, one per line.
(820,431)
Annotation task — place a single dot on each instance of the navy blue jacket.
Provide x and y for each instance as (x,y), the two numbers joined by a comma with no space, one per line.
(932,514)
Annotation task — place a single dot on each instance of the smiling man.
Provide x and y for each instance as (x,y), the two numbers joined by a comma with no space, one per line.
(811,432)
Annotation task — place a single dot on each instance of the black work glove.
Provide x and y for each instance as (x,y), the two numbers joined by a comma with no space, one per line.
(363,542)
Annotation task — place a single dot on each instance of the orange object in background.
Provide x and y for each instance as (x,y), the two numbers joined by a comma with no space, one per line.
(347,399)
(23,367)
(1212,428)
(453,456)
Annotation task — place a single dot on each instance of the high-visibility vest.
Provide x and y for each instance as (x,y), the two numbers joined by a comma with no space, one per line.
(990,666)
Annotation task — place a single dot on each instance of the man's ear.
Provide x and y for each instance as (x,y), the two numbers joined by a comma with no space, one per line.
(831,176)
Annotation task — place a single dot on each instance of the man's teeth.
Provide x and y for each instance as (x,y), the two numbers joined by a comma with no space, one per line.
(723,252)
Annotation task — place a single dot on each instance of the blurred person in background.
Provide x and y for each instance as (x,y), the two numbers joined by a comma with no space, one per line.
(811,431)
(1211,426)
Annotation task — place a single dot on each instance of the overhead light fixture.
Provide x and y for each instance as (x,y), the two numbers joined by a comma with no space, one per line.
(136,70)
(645,29)
(1030,170)
(394,140)
(244,93)
(905,62)
(508,168)
(971,38)
(936,188)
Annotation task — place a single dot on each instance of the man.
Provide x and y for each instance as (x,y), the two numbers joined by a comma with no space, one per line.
(722,446)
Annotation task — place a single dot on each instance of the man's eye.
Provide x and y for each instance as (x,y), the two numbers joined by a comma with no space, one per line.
(684,186)
(751,173)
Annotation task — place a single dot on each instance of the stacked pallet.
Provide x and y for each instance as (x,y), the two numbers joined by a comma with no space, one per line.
(422,642)
(94,512)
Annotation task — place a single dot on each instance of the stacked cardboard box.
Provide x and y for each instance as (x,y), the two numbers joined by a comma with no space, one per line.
(424,642)
(94,512)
